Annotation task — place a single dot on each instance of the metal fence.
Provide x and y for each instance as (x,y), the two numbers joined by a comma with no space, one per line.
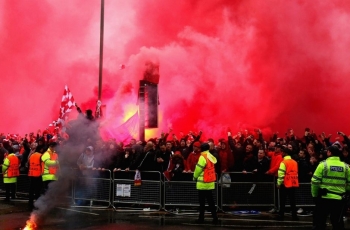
(95,186)
(148,193)
(303,197)
(118,189)
(23,184)
(247,189)
(184,193)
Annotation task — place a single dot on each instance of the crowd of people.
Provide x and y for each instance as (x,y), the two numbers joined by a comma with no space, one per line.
(242,152)
(174,157)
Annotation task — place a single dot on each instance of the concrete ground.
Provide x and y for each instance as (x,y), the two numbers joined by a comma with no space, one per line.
(14,215)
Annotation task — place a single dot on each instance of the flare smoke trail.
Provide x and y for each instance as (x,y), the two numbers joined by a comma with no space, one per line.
(268,64)
(68,155)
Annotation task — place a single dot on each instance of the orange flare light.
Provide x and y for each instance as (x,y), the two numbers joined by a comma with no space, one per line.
(30,225)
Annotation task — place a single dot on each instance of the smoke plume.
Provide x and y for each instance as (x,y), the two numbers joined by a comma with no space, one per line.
(58,191)
(240,64)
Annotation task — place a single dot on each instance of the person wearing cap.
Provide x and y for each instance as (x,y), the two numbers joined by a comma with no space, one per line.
(85,161)
(287,182)
(10,171)
(329,186)
(205,176)
(50,165)
(193,157)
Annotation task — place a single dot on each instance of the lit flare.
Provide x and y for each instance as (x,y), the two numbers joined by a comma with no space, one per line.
(30,225)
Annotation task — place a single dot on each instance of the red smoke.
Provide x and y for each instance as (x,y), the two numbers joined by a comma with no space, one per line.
(268,64)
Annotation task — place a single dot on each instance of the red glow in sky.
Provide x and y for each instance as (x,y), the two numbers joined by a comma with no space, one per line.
(268,64)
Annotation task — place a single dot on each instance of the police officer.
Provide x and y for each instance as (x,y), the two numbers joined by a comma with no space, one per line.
(329,185)
(287,182)
(205,176)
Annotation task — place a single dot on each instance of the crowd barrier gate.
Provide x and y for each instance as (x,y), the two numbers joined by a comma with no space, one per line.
(94,187)
(247,189)
(184,193)
(148,193)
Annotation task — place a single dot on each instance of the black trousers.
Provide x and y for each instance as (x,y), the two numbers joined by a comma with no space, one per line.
(46,185)
(326,207)
(10,190)
(206,195)
(290,192)
(35,188)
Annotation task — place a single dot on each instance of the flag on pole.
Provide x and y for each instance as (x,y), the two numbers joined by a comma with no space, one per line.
(123,132)
(67,105)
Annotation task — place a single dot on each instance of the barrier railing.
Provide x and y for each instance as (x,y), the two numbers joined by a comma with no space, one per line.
(184,193)
(95,186)
(112,189)
(148,193)
(23,183)
(303,197)
(247,189)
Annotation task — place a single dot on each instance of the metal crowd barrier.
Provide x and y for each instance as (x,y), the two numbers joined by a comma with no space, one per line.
(148,193)
(303,197)
(23,183)
(92,188)
(70,192)
(184,193)
(247,189)
(101,187)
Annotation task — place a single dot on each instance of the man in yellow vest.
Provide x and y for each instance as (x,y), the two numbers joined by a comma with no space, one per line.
(205,176)
(50,165)
(34,174)
(287,182)
(329,185)
(10,170)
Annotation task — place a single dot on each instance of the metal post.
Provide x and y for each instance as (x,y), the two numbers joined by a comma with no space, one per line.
(101,51)
(142,110)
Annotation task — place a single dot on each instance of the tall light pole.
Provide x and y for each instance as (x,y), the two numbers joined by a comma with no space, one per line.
(101,51)
(98,111)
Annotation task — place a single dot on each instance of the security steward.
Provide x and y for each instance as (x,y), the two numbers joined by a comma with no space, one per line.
(205,176)
(329,188)
(287,182)
(10,170)
(50,165)
(34,174)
